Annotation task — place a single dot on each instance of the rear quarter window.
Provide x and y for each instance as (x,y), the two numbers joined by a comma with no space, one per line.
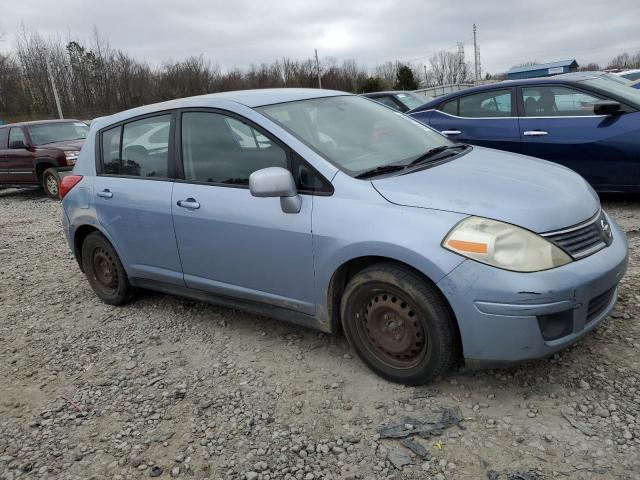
(4,137)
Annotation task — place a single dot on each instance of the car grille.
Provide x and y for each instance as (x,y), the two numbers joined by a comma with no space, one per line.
(599,303)
(584,239)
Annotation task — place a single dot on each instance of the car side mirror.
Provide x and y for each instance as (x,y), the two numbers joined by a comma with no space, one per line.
(607,107)
(17,144)
(276,182)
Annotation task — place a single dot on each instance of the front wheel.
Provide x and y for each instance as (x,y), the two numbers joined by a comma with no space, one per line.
(51,183)
(398,324)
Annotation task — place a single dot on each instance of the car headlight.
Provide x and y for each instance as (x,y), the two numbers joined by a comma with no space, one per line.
(71,156)
(503,245)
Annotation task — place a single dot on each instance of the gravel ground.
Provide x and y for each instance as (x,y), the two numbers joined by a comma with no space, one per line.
(169,387)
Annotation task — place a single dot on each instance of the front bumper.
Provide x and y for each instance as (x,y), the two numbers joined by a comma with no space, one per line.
(501,313)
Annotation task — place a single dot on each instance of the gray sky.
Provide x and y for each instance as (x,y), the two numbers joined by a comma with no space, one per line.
(240,32)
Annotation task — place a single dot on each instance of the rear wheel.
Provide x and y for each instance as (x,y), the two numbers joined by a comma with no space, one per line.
(51,183)
(398,324)
(104,270)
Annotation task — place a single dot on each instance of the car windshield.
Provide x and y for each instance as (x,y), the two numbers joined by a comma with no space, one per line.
(355,134)
(411,100)
(58,132)
(632,76)
(625,92)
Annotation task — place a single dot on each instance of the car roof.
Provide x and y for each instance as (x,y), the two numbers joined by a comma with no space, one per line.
(248,98)
(387,92)
(562,78)
(40,122)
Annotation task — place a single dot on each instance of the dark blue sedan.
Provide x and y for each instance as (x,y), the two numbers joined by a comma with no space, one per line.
(585,121)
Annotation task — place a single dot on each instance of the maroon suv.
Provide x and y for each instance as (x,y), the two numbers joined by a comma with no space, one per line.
(33,153)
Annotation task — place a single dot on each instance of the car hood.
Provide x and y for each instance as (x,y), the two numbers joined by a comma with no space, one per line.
(64,145)
(524,191)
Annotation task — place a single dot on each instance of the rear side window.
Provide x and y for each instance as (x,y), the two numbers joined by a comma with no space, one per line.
(496,103)
(139,148)
(4,137)
(220,149)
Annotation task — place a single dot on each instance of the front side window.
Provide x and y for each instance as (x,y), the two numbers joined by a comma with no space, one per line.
(16,135)
(557,101)
(495,103)
(220,149)
(139,148)
(44,133)
(353,133)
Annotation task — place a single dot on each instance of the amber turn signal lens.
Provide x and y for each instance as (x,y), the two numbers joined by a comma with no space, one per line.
(471,247)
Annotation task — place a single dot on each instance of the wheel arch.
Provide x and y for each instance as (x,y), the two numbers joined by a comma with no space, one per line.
(41,164)
(353,266)
(82,231)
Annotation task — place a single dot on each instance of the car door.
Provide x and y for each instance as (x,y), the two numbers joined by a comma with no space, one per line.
(487,119)
(231,243)
(132,197)
(4,145)
(558,123)
(19,158)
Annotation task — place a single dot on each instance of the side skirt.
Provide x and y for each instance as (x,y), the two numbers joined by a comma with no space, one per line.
(265,310)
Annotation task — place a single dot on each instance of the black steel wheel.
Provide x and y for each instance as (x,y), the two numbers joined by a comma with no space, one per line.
(104,271)
(398,324)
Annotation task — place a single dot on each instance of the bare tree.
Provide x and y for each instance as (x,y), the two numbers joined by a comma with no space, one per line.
(448,68)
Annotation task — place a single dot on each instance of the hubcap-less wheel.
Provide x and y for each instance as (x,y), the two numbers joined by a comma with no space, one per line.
(104,269)
(52,185)
(392,331)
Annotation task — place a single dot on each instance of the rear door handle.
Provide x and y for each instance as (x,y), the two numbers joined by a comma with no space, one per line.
(189,203)
(451,132)
(105,193)
(535,133)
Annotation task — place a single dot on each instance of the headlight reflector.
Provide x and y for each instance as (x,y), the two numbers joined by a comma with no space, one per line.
(503,245)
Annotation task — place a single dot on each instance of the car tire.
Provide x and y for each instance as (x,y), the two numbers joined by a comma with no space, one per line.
(104,270)
(399,324)
(51,183)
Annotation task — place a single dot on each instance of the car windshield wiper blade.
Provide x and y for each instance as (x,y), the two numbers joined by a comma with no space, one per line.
(431,153)
(381,170)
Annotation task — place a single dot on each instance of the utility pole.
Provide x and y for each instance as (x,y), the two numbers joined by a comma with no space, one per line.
(459,77)
(476,53)
(55,90)
(426,77)
(318,70)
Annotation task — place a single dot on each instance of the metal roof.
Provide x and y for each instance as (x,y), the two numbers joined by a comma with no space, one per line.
(542,66)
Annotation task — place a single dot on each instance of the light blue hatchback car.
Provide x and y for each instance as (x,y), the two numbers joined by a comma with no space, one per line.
(331,211)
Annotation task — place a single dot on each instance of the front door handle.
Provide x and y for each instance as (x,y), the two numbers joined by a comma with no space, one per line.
(106,193)
(451,132)
(535,133)
(189,203)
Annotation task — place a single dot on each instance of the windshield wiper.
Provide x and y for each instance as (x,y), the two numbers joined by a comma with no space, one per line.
(433,152)
(381,170)
(428,155)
